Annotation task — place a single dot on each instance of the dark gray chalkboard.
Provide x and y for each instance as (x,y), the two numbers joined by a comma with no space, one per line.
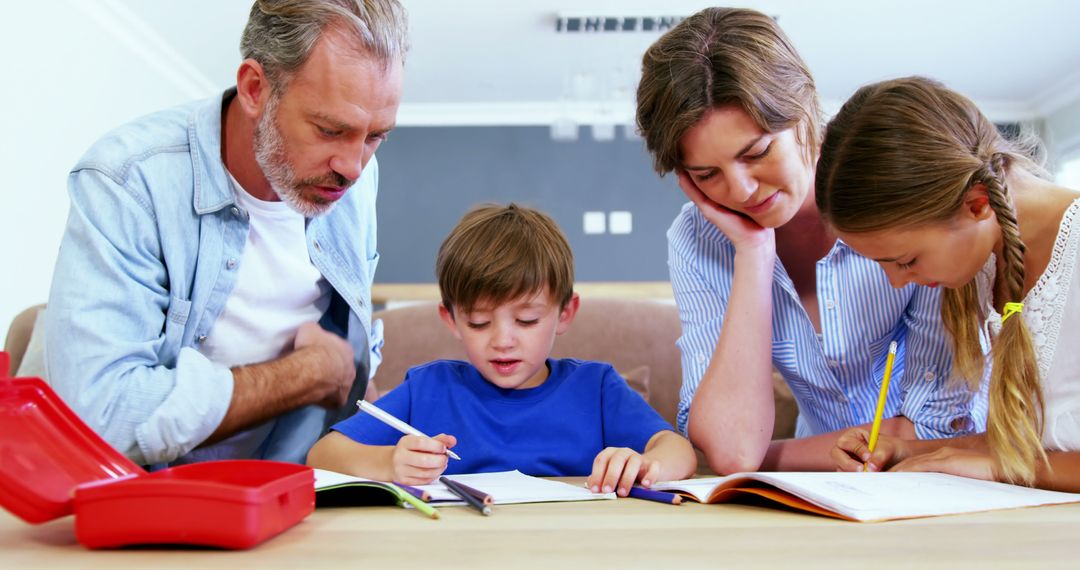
(430,176)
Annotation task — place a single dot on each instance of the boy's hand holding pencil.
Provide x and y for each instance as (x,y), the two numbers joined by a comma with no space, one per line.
(419,460)
(416,459)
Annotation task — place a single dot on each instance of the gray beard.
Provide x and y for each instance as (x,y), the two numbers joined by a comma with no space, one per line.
(271,158)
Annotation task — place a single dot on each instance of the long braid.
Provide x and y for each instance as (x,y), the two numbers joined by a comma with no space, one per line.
(993,177)
(1014,428)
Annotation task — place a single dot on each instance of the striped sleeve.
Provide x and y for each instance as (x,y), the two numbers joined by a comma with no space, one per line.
(701,288)
(938,405)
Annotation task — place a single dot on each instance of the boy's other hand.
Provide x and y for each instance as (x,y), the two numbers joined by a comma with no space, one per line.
(420,460)
(618,468)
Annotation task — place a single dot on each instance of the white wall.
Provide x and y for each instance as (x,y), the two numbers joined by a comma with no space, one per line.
(73,69)
(1063,132)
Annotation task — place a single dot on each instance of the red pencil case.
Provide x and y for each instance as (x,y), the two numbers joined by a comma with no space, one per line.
(52,465)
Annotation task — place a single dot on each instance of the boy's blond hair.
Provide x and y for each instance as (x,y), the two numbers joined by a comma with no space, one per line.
(498,253)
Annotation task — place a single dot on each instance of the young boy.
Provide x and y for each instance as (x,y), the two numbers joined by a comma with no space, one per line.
(506,277)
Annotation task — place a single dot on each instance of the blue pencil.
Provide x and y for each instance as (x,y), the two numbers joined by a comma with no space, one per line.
(658,496)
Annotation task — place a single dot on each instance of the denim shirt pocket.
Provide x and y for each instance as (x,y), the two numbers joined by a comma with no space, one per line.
(175,324)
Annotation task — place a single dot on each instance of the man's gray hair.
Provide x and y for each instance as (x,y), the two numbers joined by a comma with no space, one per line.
(280,34)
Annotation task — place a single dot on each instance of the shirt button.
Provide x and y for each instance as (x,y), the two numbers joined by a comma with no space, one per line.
(318,247)
(962,423)
(833,363)
(702,359)
(359,301)
(929,376)
(235,211)
(829,304)
(231,263)
(201,339)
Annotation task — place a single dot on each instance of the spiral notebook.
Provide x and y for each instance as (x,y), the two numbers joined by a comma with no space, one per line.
(866,497)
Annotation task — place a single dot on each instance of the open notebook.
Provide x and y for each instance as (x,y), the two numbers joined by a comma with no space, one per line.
(507,487)
(867,496)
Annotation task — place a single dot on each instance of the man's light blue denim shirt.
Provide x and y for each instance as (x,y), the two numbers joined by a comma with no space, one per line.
(148,259)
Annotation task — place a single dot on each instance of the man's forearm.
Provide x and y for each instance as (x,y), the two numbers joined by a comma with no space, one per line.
(266,390)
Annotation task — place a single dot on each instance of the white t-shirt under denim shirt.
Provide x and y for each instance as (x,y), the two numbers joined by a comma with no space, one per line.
(277,290)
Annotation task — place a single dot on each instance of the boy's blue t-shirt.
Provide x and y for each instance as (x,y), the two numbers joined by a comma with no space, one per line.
(555,429)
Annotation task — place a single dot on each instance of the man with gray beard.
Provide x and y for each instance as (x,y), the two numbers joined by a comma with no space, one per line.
(212,294)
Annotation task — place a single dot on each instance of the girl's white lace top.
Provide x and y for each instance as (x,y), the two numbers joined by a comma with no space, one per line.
(1052,314)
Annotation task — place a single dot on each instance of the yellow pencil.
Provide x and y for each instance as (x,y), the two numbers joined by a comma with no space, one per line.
(415,502)
(881,399)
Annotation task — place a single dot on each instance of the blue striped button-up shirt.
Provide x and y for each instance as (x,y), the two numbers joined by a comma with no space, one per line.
(836,375)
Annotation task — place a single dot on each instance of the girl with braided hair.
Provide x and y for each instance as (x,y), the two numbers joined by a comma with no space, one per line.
(913,176)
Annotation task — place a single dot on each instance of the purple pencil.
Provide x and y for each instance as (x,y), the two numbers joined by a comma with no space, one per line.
(418,493)
(482,496)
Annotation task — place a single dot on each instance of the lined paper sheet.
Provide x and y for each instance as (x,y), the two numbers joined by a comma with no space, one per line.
(508,487)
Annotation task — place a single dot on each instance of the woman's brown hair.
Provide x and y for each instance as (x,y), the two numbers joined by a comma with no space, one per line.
(720,57)
(904,153)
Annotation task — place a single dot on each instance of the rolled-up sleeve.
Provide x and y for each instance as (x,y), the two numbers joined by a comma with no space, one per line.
(111,315)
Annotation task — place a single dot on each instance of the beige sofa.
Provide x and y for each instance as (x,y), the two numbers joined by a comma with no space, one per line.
(637,336)
(18,336)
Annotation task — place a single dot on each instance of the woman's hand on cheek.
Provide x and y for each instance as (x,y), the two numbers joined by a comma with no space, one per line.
(740,229)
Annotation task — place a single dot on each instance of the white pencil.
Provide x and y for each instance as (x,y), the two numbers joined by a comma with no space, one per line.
(395,423)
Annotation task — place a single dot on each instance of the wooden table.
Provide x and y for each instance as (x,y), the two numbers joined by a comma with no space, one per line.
(625,533)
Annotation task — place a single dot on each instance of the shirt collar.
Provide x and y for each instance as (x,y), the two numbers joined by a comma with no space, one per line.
(212,189)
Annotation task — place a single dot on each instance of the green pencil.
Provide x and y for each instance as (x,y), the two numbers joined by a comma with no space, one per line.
(415,502)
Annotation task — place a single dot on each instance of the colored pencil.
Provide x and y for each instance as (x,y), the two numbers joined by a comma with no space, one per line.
(466,496)
(418,493)
(658,496)
(416,502)
(482,496)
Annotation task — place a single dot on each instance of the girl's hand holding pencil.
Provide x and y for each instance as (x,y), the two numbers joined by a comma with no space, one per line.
(852,451)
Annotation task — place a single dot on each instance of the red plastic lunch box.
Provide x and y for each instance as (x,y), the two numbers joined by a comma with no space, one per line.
(52,464)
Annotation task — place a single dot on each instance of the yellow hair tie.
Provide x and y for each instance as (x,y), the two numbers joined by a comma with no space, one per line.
(1010,310)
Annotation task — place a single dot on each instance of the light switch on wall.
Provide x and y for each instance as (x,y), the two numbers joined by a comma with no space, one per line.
(620,222)
(595,223)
